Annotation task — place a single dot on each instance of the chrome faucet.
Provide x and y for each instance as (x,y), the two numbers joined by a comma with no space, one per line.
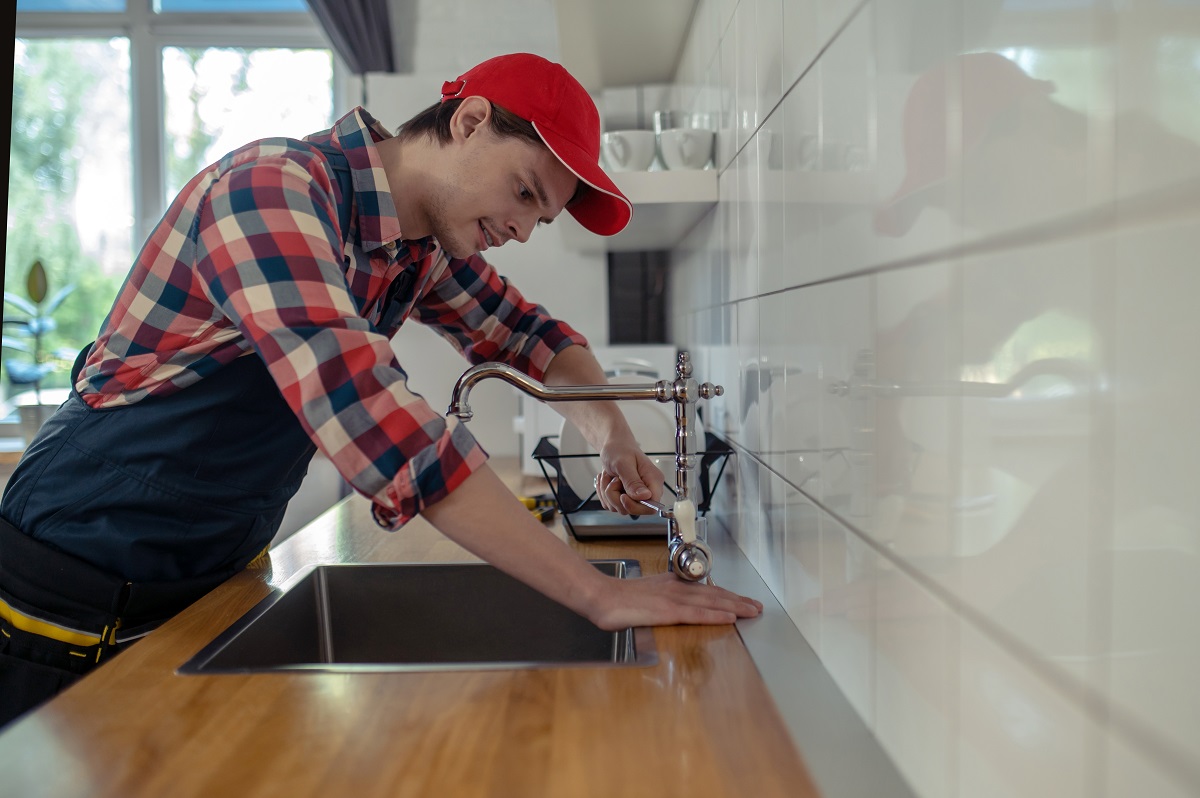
(689,556)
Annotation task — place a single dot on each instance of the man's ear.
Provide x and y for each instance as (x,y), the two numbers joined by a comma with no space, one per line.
(472,114)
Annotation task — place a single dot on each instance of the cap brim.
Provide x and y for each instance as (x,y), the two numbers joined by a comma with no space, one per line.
(601,207)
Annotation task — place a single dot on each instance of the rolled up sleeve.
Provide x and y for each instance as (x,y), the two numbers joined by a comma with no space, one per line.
(487,319)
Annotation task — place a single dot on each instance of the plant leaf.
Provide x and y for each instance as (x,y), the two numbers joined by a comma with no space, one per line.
(57,299)
(21,303)
(36,282)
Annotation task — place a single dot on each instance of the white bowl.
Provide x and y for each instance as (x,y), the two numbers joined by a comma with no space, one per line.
(628,150)
(686,147)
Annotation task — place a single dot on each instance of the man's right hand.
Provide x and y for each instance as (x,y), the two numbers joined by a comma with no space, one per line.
(664,600)
(483,516)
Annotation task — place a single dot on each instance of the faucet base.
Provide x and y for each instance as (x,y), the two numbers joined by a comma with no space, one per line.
(692,562)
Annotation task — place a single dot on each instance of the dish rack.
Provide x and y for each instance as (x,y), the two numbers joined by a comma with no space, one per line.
(586,518)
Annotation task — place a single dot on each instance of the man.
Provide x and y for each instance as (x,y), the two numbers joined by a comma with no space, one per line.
(254,328)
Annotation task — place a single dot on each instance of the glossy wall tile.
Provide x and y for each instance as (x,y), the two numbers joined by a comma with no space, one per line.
(950,282)
(916,683)
(842,160)
(1157,130)
(1153,649)
(1017,733)
(916,194)
(1036,132)
(849,567)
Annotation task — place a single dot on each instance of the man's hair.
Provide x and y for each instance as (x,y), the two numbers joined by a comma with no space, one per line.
(434,122)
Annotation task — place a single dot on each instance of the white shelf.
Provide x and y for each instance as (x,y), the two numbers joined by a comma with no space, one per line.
(666,205)
(607,43)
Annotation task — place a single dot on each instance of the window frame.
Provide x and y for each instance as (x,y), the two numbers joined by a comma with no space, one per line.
(148,33)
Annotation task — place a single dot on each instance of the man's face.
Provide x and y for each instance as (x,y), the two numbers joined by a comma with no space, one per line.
(496,190)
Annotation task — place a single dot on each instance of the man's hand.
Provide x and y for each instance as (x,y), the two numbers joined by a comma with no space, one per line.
(666,600)
(484,517)
(626,476)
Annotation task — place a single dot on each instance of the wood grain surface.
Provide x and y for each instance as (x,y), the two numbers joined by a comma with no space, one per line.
(699,723)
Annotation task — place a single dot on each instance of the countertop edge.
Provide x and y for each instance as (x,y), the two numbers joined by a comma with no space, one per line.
(842,755)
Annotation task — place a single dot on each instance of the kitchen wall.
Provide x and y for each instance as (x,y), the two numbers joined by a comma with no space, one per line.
(949,289)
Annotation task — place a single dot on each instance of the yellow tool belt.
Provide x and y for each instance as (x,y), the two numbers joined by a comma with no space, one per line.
(76,637)
(50,595)
(84,644)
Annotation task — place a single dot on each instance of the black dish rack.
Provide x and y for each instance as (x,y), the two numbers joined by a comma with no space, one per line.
(586,518)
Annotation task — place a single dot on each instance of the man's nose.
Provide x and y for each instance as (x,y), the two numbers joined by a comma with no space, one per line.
(521,229)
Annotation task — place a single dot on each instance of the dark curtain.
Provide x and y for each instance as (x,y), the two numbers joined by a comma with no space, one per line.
(360,31)
(8,45)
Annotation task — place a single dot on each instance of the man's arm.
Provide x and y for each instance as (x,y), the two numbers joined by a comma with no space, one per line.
(484,517)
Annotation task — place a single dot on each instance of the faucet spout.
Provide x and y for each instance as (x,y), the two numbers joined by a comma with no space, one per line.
(459,406)
(690,559)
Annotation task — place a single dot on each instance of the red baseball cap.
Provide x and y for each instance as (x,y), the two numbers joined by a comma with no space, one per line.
(544,94)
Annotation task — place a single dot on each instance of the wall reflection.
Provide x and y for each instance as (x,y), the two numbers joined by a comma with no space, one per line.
(978,469)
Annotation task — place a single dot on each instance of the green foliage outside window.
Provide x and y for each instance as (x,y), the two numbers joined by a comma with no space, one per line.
(50,89)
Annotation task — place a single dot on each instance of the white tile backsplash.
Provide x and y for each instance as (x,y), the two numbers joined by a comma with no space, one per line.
(746,35)
(747,233)
(801,41)
(848,579)
(921,202)
(795,122)
(802,579)
(1033,142)
(1017,733)
(1129,772)
(1153,648)
(916,683)
(1157,131)
(768,54)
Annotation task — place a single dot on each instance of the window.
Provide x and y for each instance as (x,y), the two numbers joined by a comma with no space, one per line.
(171,6)
(70,192)
(114,109)
(219,98)
(70,5)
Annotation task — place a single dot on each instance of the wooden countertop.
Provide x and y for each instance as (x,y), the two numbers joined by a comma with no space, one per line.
(699,723)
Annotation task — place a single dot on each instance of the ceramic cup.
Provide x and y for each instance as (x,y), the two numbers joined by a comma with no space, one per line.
(628,150)
(685,148)
(667,120)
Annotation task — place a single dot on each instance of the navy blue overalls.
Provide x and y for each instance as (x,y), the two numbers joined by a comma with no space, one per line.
(116,519)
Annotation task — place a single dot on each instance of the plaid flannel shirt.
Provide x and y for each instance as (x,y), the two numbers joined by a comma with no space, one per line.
(249,258)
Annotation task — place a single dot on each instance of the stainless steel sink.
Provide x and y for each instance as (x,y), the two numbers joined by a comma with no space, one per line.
(460,616)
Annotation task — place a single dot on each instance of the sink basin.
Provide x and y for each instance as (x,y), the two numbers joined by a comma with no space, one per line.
(453,616)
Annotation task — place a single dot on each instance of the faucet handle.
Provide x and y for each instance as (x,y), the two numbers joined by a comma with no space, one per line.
(683,366)
(708,390)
